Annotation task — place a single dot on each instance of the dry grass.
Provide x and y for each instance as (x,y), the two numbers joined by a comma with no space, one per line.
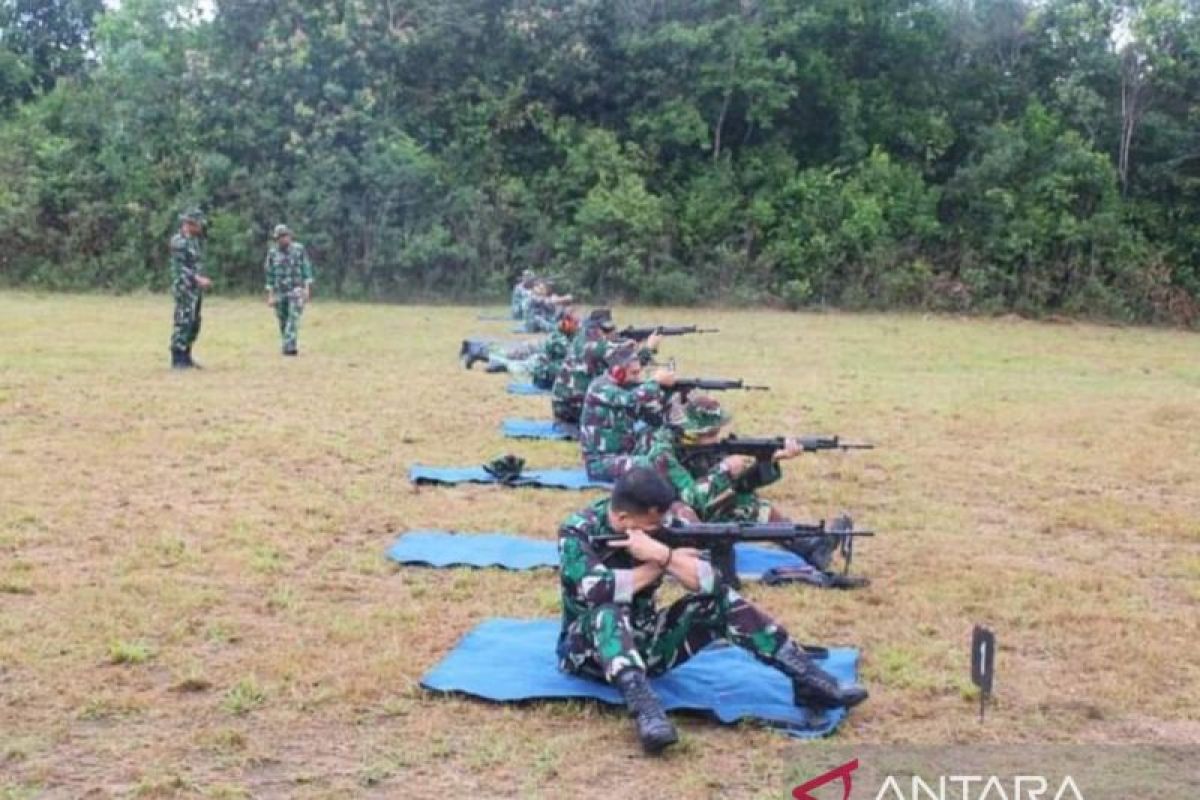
(193,599)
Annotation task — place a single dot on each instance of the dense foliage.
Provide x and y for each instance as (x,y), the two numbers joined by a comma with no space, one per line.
(987,155)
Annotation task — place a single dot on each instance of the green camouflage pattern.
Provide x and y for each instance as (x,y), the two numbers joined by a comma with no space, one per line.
(288,274)
(187,263)
(708,494)
(616,424)
(541,315)
(606,627)
(521,295)
(287,269)
(586,361)
(548,361)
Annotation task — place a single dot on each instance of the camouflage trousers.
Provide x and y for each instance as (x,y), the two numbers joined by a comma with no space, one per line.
(609,468)
(535,324)
(289,307)
(604,641)
(186,325)
(517,359)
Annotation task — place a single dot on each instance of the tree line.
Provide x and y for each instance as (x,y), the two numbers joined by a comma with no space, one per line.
(1040,157)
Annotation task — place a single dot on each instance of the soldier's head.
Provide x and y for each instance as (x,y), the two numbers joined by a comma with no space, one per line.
(640,499)
(600,322)
(191,222)
(624,364)
(568,323)
(701,419)
(282,235)
(541,288)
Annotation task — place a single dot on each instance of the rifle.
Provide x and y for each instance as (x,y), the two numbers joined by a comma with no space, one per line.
(763,449)
(720,537)
(684,386)
(632,332)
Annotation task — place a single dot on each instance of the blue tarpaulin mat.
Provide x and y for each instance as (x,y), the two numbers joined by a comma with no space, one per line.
(527,389)
(446,549)
(546,478)
(508,660)
(539,429)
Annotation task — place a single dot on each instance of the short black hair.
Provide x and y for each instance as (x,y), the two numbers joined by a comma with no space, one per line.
(641,490)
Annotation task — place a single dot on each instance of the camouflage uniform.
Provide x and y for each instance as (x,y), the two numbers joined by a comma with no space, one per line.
(586,361)
(187,263)
(606,627)
(609,432)
(549,360)
(541,315)
(708,493)
(521,294)
(289,273)
(740,504)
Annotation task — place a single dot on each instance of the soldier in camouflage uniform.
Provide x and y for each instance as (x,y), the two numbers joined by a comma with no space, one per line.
(521,293)
(544,308)
(588,358)
(612,629)
(620,413)
(540,361)
(289,276)
(187,282)
(724,489)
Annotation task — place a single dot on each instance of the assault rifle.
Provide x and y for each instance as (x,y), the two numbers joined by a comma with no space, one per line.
(763,449)
(640,333)
(720,537)
(683,386)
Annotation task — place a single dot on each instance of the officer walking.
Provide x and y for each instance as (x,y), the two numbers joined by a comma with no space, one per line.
(289,282)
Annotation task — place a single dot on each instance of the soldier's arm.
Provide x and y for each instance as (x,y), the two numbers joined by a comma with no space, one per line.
(585,576)
(183,269)
(651,402)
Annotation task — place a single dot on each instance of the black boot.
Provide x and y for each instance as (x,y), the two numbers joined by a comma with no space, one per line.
(290,350)
(472,351)
(813,687)
(654,730)
(179,359)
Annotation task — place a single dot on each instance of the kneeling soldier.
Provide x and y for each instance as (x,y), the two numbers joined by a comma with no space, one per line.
(613,631)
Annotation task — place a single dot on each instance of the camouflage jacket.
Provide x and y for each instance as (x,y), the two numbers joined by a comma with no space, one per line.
(520,301)
(593,574)
(187,254)
(586,361)
(706,493)
(287,269)
(549,359)
(608,425)
(747,483)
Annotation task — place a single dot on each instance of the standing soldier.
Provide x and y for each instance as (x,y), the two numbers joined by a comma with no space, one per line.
(187,282)
(289,284)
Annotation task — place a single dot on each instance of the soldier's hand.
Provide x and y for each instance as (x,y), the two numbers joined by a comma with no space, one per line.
(654,340)
(791,449)
(203,282)
(664,377)
(643,547)
(737,465)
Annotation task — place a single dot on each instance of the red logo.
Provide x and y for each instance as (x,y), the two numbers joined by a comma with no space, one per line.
(801,792)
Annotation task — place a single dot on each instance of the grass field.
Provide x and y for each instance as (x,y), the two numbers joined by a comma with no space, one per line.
(194,599)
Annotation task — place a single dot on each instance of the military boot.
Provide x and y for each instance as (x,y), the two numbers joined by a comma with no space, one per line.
(187,355)
(472,351)
(813,687)
(654,730)
(179,359)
